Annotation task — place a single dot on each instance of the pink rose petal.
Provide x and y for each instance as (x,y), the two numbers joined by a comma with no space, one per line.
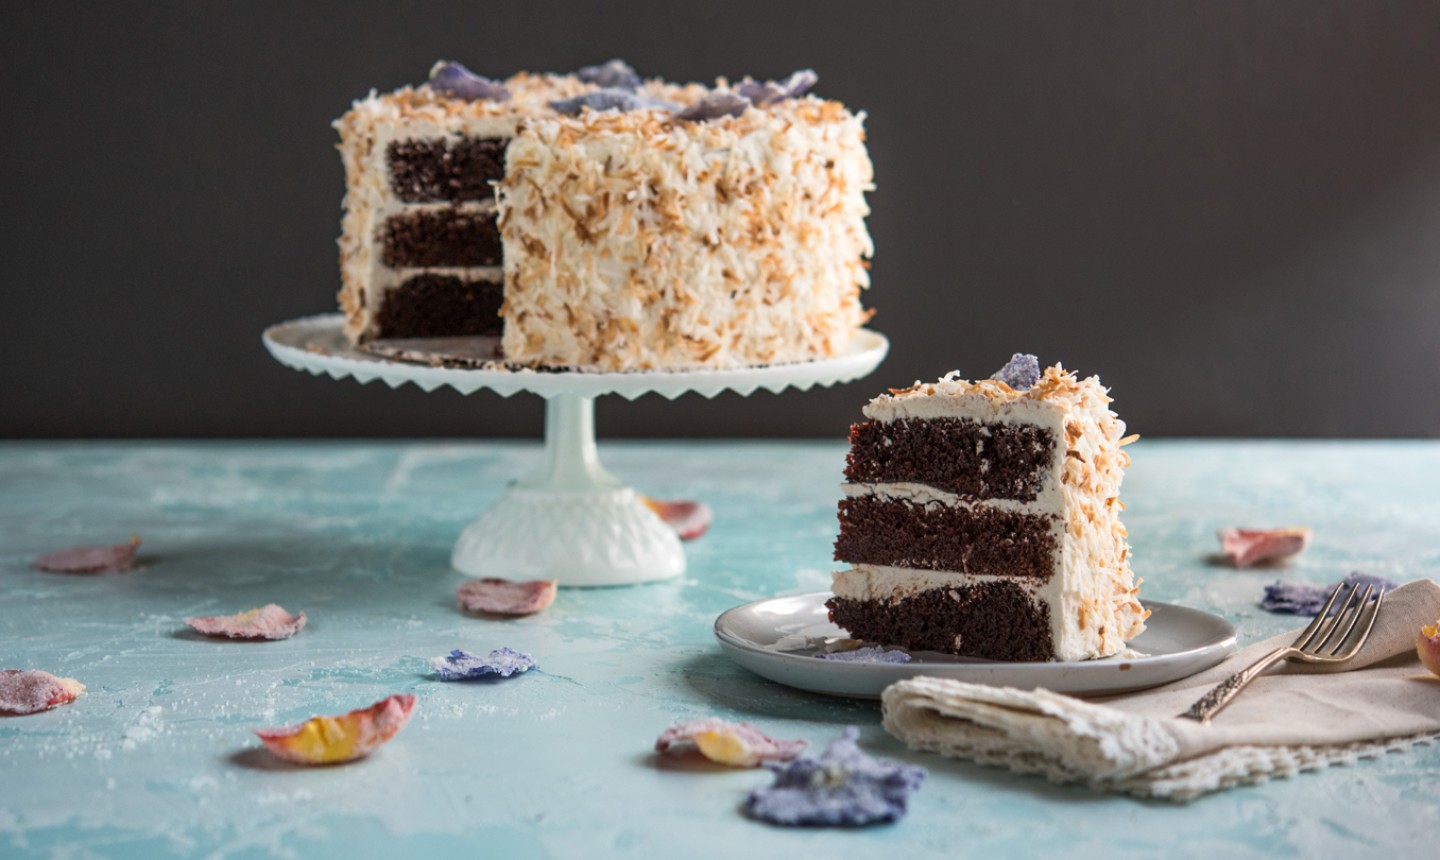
(734,744)
(1247,547)
(503,597)
(689,519)
(29,691)
(90,559)
(1427,645)
(266,622)
(332,740)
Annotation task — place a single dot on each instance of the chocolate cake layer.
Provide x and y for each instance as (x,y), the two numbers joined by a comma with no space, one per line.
(967,458)
(991,620)
(431,171)
(441,306)
(984,541)
(448,237)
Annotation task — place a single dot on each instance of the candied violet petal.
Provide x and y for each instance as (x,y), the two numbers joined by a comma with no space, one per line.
(1021,372)
(715,105)
(769,92)
(607,99)
(843,787)
(463,666)
(1304,598)
(453,79)
(616,74)
(868,654)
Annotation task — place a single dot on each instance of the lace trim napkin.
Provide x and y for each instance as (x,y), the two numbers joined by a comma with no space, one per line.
(1286,722)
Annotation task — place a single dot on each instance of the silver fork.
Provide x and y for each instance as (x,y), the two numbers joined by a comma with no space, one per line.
(1317,643)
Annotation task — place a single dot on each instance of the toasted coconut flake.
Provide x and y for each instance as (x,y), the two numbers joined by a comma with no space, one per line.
(332,740)
(90,559)
(733,744)
(266,622)
(29,691)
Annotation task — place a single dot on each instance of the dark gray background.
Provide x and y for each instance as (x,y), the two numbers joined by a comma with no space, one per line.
(1228,210)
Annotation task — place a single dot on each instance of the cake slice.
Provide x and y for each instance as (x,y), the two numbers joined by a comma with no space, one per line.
(983,519)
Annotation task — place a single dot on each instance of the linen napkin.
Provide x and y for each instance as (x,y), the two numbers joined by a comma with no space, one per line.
(1293,718)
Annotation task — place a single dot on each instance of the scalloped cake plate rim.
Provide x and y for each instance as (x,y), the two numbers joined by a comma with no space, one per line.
(763,637)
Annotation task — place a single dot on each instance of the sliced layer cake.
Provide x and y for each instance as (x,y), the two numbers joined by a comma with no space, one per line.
(983,519)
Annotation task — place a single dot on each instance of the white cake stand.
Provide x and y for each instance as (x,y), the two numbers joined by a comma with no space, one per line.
(569,519)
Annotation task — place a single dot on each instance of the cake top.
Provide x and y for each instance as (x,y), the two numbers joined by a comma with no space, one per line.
(613,90)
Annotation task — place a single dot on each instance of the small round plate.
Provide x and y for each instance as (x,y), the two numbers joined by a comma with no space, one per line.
(778,639)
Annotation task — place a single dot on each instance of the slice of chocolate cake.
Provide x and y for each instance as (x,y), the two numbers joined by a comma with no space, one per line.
(983,519)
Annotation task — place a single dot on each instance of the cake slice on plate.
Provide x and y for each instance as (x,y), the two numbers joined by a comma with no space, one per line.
(983,519)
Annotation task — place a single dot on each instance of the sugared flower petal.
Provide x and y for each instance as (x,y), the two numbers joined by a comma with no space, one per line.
(90,559)
(1021,372)
(714,105)
(463,666)
(456,81)
(615,74)
(504,597)
(868,654)
(733,744)
(332,740)
(26,691)
(769,92)
(689,519)
(1427,645)
(1247,547)
(1303,598)
(843,787)
(608,99)
(266,622)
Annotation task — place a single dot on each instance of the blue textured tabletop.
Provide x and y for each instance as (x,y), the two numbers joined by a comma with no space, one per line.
(157,758)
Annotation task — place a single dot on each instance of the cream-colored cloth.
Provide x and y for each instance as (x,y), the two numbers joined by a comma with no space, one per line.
(1294,718)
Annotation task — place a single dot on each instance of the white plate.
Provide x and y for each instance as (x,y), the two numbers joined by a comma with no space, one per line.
(769,637)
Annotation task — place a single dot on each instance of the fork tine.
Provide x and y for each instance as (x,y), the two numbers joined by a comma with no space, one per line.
(1320,618)
(1348,609)
(1349,618)
(1370,611)
(1324,624)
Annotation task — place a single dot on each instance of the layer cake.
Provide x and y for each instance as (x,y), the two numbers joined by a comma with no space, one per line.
(599,221)
(983,519)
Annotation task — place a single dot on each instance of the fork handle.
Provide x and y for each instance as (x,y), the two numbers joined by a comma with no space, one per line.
(1223,693)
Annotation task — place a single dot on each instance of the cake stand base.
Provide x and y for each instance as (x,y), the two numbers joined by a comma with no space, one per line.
(570,520)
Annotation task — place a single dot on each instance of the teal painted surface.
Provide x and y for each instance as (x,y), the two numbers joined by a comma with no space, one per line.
(156,760)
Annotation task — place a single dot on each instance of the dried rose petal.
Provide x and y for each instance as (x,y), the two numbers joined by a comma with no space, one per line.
(331,740)
(689,519)
(90,559)
(1427,645)
(504,597)
(1247,547)
(28,691)
(733,744)
(267,622)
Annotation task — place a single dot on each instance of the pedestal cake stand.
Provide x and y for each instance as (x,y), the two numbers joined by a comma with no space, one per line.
(569,519)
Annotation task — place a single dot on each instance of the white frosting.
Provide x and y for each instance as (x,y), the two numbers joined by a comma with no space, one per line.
(634,241)
(1092,594)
